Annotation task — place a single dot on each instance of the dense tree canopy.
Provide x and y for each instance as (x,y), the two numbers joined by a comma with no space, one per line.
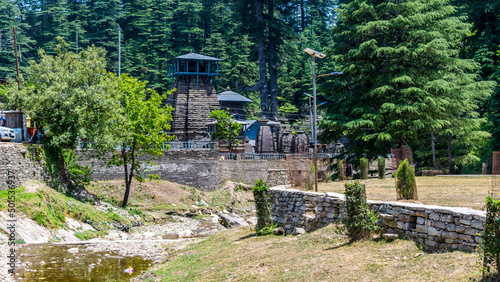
(407,61)
(402,75)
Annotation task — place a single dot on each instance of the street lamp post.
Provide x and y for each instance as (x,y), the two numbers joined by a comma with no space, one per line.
(315,54)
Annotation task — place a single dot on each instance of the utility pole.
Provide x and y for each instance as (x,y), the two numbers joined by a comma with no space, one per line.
(119,52)
(17,60)
(76,38)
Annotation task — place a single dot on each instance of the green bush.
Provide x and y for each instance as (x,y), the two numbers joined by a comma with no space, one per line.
(340,170)
(359,221)
(262,196)
(381,168)
(406,186)
(363,168)
(490,249)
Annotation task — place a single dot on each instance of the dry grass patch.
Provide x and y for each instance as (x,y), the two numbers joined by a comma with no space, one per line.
(456,191)
(237,255)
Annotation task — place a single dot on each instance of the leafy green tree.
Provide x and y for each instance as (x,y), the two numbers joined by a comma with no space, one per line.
(402,74)
(227,129)
(72,97)
(139,129)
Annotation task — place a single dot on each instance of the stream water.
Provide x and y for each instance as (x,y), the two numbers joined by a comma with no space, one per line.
(48,262)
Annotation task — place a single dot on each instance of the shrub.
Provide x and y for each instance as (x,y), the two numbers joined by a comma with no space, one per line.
(359,221)
(381,168)
(406,186)
(363,168)
(490,249)
(262,196)
(340,171)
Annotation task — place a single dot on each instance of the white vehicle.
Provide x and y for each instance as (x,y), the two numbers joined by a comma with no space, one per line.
(7,134)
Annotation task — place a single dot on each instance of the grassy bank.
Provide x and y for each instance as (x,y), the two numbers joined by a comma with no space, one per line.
(452,191)
(50,208)
(318,256)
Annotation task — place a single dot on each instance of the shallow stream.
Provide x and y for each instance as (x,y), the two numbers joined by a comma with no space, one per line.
(49,262)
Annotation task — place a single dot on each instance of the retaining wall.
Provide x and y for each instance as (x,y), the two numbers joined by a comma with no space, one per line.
(434,227)
(18,165)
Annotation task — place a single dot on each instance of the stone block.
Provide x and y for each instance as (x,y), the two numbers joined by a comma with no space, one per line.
(449,235)
(431,243)
(465,221)
(421,228)
(386,216)
(400,225)
(451,227)
(433,231)
(434,216)
(420,220)
(466,238)
(407,218)
(460,229)
(478,240)
(447,218)
(440,225)
(422,214)
(471,231)
(429,222)
(477,224)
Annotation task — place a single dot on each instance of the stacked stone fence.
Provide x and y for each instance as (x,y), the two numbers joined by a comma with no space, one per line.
(434,227)
(19,164)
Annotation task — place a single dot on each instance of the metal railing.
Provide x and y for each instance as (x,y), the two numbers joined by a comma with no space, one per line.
(270,156)
(194,145)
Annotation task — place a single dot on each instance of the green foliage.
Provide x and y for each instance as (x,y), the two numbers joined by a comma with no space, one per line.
(400,79)
(406,185)
(139,128)
(227,128)
(381,168)
(86,235)
(49,209)
(340,170)
(359,221)
(490,249)
(262,196)
(82,175)
(71,96)
(363,168)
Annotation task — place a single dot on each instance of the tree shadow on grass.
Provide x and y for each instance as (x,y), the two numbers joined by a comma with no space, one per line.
(338,246)
(247,236)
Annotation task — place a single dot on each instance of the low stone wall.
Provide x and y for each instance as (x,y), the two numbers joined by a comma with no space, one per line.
(16,165)
(434,227)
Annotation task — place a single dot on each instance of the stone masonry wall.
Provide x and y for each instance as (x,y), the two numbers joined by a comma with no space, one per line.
(15,162)
(434,227)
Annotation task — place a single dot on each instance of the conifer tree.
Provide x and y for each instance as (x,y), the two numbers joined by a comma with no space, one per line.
(402,74)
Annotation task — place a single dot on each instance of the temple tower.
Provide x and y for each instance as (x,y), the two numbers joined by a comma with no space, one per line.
(193,77)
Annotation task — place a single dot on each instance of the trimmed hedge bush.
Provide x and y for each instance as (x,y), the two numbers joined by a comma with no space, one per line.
(363,168)
(340,170)
(359,220)
(262,196)
(406,185)
(381,168)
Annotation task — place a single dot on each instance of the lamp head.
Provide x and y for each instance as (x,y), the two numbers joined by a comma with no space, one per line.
(314,53)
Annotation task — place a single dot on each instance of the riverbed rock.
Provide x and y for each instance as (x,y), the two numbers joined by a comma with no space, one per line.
(252,220)
(232,220)
(73,250)
(66,236)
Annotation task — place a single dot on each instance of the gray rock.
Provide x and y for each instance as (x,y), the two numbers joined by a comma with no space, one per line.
(389,236)
(278,231)
(73,250)
(232,221)
(298,231)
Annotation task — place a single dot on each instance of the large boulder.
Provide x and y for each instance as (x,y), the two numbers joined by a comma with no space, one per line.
(232,220)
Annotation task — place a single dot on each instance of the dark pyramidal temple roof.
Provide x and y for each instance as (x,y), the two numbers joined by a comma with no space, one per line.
(194,56)
(230,96)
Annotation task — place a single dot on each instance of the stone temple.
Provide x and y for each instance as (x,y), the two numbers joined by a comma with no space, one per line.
(193,76)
